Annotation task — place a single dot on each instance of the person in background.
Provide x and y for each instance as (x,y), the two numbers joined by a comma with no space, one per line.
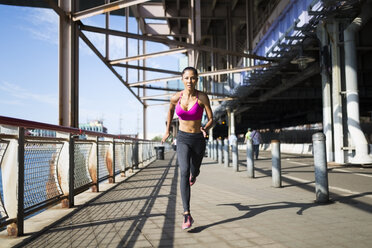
(247,135)
(256,141)
(189,104)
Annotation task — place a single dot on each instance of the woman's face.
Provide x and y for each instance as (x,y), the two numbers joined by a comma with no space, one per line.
(189,79)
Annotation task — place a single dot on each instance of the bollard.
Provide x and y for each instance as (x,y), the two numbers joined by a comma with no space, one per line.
(219,141)
(209,149)
(276,166)
(234,150)
(226,158)
(250,163)
(215,150)
(320,168)
(212,149)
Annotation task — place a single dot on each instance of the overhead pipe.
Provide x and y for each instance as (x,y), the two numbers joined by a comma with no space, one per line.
(352,96)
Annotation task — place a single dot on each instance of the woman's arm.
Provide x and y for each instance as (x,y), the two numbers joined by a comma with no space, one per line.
(205,101)
(172,106)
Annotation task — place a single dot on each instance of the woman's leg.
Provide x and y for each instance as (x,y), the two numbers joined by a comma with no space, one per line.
(256,150)
(183,156)
(197,154)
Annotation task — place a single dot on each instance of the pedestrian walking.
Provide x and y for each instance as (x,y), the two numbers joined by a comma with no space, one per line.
(189,105)
(247,135)
(256,141)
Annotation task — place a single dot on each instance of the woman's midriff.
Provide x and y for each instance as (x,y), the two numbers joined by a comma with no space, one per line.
(190,126)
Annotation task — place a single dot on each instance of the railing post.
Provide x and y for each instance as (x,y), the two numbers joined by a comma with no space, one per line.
(250,163)
(97,168)
(21,181)
(234,150)
(220,148)
(320,167)
(135,155)
(124,167)
(113,161)
(71,172)
(276,164)
(226,157)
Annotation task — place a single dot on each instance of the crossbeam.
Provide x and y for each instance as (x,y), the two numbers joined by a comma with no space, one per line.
(175,90)
(149,55)
(156,96)
(203,74)
(121,4)
(136,67)
(171,42)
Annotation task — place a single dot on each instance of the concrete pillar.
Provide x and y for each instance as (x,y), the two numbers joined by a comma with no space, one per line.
(336,95)
(351,79)
(191,32)
(326,91)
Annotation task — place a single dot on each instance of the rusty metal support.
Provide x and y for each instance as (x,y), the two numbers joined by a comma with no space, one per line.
(68,68)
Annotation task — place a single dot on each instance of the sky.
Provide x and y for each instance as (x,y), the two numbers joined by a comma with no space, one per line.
(29,73)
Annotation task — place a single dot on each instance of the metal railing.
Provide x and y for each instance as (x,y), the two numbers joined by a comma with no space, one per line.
(37,172)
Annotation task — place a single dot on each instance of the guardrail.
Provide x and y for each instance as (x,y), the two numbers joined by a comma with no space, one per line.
(37,172)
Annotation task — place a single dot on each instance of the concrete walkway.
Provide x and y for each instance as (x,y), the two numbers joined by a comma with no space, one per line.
(230,210)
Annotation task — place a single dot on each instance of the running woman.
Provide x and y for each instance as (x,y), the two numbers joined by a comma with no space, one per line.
(189,105)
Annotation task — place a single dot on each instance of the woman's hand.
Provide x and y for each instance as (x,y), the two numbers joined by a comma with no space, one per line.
(203,131)
(165,137)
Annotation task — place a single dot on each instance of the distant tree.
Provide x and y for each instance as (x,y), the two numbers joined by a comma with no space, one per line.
(157,138)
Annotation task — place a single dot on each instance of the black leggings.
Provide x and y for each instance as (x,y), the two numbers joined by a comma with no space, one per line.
(190,153)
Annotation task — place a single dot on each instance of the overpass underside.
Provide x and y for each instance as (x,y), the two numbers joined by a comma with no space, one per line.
(265,64)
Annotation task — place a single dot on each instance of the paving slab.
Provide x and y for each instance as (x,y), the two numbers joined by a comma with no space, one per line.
(230,210)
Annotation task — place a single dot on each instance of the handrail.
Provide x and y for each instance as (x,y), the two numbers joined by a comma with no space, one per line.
(50,170)
(33,124)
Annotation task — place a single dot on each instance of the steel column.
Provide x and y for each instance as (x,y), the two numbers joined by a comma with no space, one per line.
(68,67)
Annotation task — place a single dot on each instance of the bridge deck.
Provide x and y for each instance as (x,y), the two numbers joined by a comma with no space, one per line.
(230,210)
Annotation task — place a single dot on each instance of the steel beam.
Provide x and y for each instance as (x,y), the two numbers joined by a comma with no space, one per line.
(149,55)
(144,68)
(99,55)
(175,90)
(309,72)
(203,74)
(105,8)
(156,96)
(170,42)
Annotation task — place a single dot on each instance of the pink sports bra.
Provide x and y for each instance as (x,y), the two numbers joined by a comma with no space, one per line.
(193,114)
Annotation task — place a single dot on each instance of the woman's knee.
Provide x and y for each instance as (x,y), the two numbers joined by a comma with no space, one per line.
(184,170)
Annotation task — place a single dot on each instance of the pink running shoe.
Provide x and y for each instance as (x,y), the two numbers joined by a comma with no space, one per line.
(192,180)
(187,221)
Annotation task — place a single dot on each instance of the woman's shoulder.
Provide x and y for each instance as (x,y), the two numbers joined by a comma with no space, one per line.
(175,97)
(203,96)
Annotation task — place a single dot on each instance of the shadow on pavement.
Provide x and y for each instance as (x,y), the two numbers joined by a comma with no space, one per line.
(125,207)
(253,210)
